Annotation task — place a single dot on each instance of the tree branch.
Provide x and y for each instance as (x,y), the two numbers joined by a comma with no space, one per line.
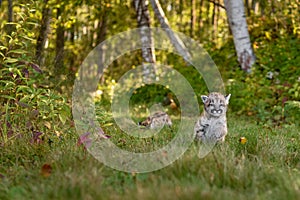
(217,4)
(175,40)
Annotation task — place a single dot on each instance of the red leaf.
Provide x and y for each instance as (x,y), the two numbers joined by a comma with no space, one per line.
(46,170)
(84,140)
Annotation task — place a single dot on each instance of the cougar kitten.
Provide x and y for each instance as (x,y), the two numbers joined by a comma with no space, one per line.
(212,124)
(156,120)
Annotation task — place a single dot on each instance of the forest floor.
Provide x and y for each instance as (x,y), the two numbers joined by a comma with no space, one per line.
(266,166)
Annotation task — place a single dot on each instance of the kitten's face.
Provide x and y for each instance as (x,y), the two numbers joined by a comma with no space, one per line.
(215,104)
(146,122)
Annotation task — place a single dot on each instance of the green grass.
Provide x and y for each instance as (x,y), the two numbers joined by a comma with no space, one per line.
(266,167)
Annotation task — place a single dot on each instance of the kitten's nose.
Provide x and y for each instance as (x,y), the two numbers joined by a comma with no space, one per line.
(215,111)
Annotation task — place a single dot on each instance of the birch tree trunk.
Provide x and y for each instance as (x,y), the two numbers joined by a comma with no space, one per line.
(238,25)
(143,19)
(175,40)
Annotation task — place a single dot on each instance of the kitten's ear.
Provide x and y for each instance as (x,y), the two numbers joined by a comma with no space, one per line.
(227,97)
(204,98)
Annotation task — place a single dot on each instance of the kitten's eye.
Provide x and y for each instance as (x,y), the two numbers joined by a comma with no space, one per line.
(223,105)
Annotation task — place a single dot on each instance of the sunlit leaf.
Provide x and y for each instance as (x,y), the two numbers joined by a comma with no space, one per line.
(3,47)
(58,133)
(33,23)
(26,98)
(11,60)
(8,84)
(27,38)
(7,97)
(25,89)
(268,35)
(18,51)
(11,23)
(47,124)
(63,117)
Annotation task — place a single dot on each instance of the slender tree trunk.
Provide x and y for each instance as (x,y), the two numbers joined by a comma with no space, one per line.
(43,35)
(101,34)
(193,17)
(181,3)
(143,19)
(262,5)
(206,21)
(10,11)
(253,5)
(102,28)
(207,14)
(216,27)
(273,7)
(213,22)
(72,34)
(60,44)
(248,7)
(238,25)
(175,40)
(10,27)
(200,19)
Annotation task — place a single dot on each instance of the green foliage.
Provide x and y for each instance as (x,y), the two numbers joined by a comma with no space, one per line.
(275,78)
(29,107)
(266,167)
(291,112)
(152,94)
(36,125)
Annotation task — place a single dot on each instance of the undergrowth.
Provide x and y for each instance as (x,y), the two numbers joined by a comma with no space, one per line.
(266,166)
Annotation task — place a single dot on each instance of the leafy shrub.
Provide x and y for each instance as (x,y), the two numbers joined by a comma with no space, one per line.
(28,105)
(274,80)
(292,112)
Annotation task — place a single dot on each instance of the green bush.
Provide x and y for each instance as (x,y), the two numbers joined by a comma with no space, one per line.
(292,112)
(275,78)
(29,108)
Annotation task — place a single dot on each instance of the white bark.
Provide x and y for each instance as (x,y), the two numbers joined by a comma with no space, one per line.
(143,18)
(175,40)
(238,25)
